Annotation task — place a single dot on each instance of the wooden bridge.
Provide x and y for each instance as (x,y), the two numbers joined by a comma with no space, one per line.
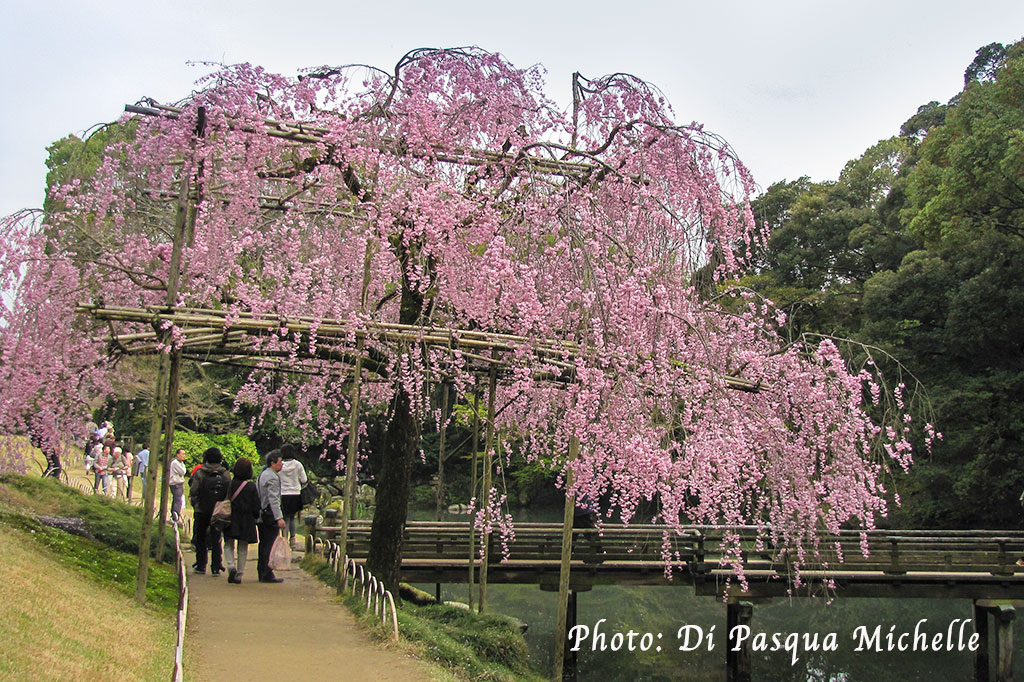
(979,565)
(976,564)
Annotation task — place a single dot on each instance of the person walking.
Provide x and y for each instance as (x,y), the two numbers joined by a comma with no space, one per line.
(293,476)
(117,470)
(208,486)
(271,517)
(100,471)
(245,511)
(176,482)
(131,470)
(142,457)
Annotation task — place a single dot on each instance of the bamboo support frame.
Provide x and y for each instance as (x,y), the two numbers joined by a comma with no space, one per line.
(550,354)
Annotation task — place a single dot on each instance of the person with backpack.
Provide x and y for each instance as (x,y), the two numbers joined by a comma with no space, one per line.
(208,487)
(245,511)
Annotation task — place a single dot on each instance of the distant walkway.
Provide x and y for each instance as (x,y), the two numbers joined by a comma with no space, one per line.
(292,631)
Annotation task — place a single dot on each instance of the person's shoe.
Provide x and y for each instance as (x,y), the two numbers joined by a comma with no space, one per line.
(233,577)
(271,579)
(215,571)
(198,571)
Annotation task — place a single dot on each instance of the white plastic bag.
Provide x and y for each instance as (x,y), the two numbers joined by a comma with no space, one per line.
(280,555)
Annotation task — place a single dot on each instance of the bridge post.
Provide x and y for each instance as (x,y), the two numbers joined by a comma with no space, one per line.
(981,655)
(1004,616)
(737,663)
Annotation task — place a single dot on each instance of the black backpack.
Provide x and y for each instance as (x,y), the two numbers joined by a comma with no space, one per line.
(212,488)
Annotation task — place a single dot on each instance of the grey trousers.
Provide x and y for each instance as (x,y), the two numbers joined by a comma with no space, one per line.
(229,555)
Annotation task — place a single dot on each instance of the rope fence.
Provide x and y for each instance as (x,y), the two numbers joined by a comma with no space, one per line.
(179,565)
(370,591)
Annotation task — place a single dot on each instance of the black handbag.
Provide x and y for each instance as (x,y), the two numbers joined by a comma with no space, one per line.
(309,494)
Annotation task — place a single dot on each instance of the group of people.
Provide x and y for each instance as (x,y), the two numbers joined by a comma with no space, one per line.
(260,511)
(107,460)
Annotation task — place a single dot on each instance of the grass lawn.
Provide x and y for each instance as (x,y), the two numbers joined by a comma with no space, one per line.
(66,603)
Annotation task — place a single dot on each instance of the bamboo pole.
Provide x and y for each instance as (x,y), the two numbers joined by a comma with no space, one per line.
(350,464)
(170,416)
(154,467)
(485,492)
(566,564)
(184,224)
(472,489)
(440,466)
(440,451)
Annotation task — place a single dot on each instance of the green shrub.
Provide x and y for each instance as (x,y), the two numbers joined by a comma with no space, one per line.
(231,445)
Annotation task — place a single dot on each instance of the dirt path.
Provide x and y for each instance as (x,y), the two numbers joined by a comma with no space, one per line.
(286,632)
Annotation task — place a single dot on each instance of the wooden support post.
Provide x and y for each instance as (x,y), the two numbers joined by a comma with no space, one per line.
(350,463)
(485,492)
(561,631)
(472,489)
(1004,616)
(737,663)
(981,668)
(184,226)
(440,467)
(155,466)
(571,662)
(170,416)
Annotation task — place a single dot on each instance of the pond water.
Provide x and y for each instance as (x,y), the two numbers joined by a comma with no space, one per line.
(824,647)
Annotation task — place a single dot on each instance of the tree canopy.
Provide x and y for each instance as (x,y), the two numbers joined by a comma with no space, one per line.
(940,285)
(452,193)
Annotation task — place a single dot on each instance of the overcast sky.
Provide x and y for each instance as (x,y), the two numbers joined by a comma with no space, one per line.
(797,88)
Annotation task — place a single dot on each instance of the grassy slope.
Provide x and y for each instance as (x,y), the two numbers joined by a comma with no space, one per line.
(66,607)
(58,624)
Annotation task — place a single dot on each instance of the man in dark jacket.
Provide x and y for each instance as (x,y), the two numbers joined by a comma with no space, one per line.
(208,486)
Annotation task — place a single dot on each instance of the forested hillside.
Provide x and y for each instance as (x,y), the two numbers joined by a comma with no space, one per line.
(918,249)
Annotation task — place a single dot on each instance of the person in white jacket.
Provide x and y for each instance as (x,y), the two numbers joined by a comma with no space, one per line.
(293,477)
(176,482)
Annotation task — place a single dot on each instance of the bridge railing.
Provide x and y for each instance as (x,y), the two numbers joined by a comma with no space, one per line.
(699,548)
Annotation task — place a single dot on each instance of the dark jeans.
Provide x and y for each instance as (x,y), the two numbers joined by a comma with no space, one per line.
(206,539)
(268,533)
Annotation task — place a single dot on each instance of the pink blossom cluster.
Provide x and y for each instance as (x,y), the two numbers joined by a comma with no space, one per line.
(455,189)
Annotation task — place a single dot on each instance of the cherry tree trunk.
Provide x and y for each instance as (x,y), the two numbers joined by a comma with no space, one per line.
(401,443)
(392,500)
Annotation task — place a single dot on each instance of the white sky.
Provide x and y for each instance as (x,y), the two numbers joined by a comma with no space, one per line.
(797,88)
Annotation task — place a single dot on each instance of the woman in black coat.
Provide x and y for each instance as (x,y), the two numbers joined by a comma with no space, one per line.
(245,510)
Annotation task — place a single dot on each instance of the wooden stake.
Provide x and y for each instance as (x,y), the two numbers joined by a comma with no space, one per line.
(485,492)
(170,416)
(472,488)
(350,464)
(155,466)
(563,573)
(440,468)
